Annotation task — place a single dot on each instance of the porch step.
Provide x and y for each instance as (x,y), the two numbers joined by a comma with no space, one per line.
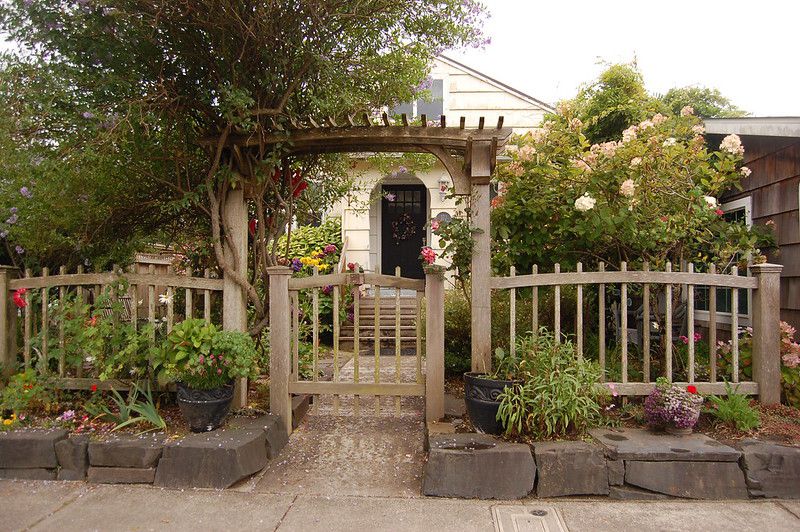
(387,320)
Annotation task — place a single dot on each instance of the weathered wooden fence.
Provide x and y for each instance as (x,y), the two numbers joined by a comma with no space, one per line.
(285,378)
(140,305)
(657,292)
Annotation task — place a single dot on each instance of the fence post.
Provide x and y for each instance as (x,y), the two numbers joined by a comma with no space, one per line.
(8,322)
(766,332)
(434,343)
(280,355)
(481,274)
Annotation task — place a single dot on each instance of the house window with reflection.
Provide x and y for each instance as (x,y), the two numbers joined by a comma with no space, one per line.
(432,105)
(738,211)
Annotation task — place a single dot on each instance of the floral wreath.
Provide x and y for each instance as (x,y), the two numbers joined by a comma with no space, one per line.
(403,228)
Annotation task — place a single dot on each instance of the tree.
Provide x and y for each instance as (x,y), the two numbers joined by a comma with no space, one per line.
(706,102)
(178,79)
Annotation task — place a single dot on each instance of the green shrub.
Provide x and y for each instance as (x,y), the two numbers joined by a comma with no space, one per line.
(307,239)
(559,393)
(735,409)
(26,393)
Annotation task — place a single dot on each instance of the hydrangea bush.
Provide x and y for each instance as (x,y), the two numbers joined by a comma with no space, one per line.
(648,195)
(672,405)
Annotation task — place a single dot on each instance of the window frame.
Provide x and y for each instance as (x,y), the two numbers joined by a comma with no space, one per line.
(745,203)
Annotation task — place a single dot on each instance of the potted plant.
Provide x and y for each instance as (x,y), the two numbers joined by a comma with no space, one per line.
(204,362)
(482,390)
(672,407)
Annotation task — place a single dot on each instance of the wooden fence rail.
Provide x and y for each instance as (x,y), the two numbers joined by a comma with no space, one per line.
(54,290)
(657,287)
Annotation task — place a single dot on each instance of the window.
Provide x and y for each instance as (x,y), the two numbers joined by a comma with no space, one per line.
(738,211)
(432,106)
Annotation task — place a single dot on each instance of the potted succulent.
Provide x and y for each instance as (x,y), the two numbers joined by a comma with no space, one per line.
(204,362)
(673,407)
(482,391)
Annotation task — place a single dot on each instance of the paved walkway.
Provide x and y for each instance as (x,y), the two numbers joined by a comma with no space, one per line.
(68,506)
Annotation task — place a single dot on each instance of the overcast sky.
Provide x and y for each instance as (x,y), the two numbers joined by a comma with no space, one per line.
(748,50)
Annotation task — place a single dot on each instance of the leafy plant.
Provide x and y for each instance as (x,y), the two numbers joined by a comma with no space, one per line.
(672,405)
(25,393)
(184,346)
(735,409)
(147,413)
(559,393)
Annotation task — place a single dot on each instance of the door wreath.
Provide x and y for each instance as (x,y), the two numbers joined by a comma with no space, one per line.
(403,228)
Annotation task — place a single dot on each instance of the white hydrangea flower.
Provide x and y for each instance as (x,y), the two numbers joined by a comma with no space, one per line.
(658,118)
(629,134)
(687,111)
(585,202)
(745,171)
(636,161)
(698,129)
(732,144)
(669,142)
(627,188)
(712,201)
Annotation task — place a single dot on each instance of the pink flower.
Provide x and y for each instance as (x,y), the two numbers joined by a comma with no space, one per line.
(684,339)
(330,248)
(698,337)
(428,255)
(719,212)
(202,359)
(219,371)
(434,225)
(613,389)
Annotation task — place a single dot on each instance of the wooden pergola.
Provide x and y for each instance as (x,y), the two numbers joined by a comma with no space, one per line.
(468,154)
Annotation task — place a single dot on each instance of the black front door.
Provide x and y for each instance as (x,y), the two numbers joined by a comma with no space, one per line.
(403,217)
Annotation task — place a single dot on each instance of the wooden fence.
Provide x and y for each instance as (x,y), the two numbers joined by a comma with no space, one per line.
(138,306)
(659,287)
(285,377)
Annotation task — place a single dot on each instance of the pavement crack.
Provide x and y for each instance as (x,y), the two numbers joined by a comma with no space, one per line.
(779,503)
(291,504)
(63,505)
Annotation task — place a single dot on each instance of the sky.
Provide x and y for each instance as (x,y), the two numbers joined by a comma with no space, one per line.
(547,49)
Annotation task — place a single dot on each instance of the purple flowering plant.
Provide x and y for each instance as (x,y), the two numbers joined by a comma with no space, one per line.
(672,405)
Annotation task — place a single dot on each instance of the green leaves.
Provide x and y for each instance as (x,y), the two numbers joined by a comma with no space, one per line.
(734,409)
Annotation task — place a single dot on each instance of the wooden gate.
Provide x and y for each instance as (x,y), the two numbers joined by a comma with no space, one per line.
(296,307)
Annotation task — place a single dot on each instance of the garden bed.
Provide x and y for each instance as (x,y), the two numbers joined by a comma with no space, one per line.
(171,459)
(621,463)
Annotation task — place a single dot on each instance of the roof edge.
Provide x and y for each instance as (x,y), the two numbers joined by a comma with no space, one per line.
(496,83)
(762,126)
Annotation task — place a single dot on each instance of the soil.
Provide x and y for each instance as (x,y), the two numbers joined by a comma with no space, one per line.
(779,423)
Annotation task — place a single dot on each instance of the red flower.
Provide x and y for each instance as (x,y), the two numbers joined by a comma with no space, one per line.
(91,322)
(351,266)
(93,387)
(691,388)
(252,227)
(719,212)
(19,298)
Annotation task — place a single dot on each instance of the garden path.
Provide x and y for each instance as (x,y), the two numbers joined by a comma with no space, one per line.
(340,451)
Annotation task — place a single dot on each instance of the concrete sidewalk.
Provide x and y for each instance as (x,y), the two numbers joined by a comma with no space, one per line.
(65,506)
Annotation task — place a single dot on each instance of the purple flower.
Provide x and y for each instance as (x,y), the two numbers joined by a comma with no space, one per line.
(330,248)
(88,115)
(12,219)
(13,210)
(390,197)
(83,198)
(402,170)
(297,265)
(20,250)
(25,191)
(3,234)
(327,289)
(351,317)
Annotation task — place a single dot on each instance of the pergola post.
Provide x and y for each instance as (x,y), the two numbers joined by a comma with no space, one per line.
(234,300)
(479,163)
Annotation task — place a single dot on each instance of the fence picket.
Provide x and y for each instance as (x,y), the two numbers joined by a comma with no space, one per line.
(623,311)
(668,326)
(315,328)
(62,294)
(712,327)
(646,327)
(296,335)
(170,293)
(535,304)
(512,341)
(336,345)
(377,343)
(27,325)
(601,323)
(690,323)
(557,309)
(45,318)
(207,299)
(151,305)
(418,331)
(357,344)
(579,316)
(735,327)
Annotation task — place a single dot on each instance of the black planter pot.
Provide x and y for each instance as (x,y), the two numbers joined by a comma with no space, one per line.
(204,410)
(481,395)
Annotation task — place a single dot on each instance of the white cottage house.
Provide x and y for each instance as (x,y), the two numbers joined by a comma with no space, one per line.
(385,221)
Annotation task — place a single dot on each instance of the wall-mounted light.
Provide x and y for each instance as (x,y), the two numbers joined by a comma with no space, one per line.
(444,185)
